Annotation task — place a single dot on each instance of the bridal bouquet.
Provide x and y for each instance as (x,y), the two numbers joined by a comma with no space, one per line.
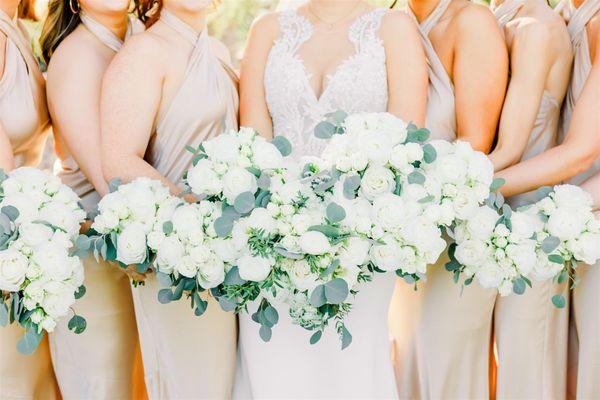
(131,223)
(567,233)
(39,278)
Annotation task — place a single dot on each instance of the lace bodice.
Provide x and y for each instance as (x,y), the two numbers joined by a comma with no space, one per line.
(358,84)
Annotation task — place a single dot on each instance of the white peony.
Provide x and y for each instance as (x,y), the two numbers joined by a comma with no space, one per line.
(355,252)
(13,266)
(377,181)
(223,148)
(211,273)
(203,179)
(237,181)
(131,245)
(266,155)
(314,243)
(565,224)
(472,252)
(253,268)
(387,256)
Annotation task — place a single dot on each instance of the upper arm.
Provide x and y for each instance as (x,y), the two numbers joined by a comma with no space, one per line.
(73,89)
(406,68)
(7,161)
(131,94)
(2,53)
(253,105)
(480,73)
(531,60)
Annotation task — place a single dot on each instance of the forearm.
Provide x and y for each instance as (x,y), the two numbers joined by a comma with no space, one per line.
(592,186)
(546,169)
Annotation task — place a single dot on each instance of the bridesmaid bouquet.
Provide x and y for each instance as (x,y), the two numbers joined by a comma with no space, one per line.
(39,278)
(132,221)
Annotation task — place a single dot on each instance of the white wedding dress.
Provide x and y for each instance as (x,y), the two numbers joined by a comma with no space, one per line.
(288,367)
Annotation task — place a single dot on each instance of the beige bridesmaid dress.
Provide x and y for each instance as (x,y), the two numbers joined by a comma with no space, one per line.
(441,337)
(94,365)
(24,118)
(531,334)
(584,346)
(188,357)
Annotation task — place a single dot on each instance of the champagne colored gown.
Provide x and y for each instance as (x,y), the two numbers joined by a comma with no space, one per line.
(24,118)
(584,346)
(288,367)
(188,357)
(531,333)
(94,365)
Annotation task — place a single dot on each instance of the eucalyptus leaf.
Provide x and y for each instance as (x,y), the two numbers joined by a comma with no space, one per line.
(271,315)
(338,116)
(336,291)
(264,181)
(429,153)
(165,296)
(559,301)
(563,276)
(167,227)
(314,339)
(201,307)
(265,333)
(223,225)
(81,290)
(233,277)
(11,212)
(417,135)
(550,244)
(519,286)
(164,280)
(191,149)
(317,297)
(29,342)
(77,324)
(426,199)
(226,304)
(335,213)
(3,314)
(287,254)
(254,171)
(416,177)
(325,130)
(351,184)
(114,184)
(283,145)
(497,184)
(398,185)
(329,231)
(332,267)
(543,192)
(555,258)
(244,202)
(346,337)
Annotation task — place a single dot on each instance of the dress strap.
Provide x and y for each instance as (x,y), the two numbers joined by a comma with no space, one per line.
(433,18)
(579,19)
(295,29)
(184,29)
(366,28)
(507,11)
(102,33)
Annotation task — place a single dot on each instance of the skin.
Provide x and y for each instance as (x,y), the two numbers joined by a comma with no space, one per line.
(581,146)
(468,32)
(144,77)
(540,60)
(74,82)
(7,161)
(405,59)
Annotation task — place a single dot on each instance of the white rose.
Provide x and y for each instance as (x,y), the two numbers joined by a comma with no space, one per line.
(25,204)
(131,245)
(571,196)
(377,181)
(565,224)
(203,179)
(545,269)
(237,181)
(489,275)
(266,155)
(472,252)
(408,260)
(523,255)
(223,148)
(387,256)
(53,261)
(260,218)
(388,211)
(62,216)
(35,234)
(187,267)
(482,223)
(587,248)
(451,169)
(465,204)
(169,254)
(314,243)
(13,266)
(301,276)
(254,269)
(355,252)
(349,273)
(58,299)
(414,152)
(224,249)
(524,225)
(211,273)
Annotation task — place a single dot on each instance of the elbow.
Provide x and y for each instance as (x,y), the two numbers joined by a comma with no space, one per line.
(583,157)
(110,169)
(585,162)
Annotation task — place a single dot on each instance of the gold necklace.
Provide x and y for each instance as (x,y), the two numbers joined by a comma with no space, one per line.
(331,24)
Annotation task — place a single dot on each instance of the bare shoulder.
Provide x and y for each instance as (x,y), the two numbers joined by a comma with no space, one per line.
(474,18)
(396,24)
(266,26)
(141,55)
(594,37)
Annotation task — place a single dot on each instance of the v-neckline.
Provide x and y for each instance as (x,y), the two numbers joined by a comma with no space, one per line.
(327,78)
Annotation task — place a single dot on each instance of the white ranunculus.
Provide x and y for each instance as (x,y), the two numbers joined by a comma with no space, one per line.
(451,169)
(489,275)
(472,252)
(571,196)
(523,255)
(260,218)
(203,179)
(223,148)
(314,243)
(544,268)
(482,223)
(24,203)
(355,252)
(53,261)
(13,266)
(377,181)
(224,249)
(388,211)
(187,267)
(465,204)
(565,224)
(481,169)
(266,155)
(237,181)
(524,225)
(169,254)
(253,268)
(131,245)
(62,216)
(58,299)
(301,276)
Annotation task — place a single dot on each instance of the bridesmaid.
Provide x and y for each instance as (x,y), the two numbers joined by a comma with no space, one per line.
(169,87)
(576,159)
(79,39)
(442,338)
(24,126)
(530,333)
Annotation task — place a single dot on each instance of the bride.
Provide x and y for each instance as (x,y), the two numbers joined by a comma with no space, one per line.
(300,64)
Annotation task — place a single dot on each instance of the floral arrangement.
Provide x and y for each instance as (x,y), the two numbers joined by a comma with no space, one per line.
(40,279)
